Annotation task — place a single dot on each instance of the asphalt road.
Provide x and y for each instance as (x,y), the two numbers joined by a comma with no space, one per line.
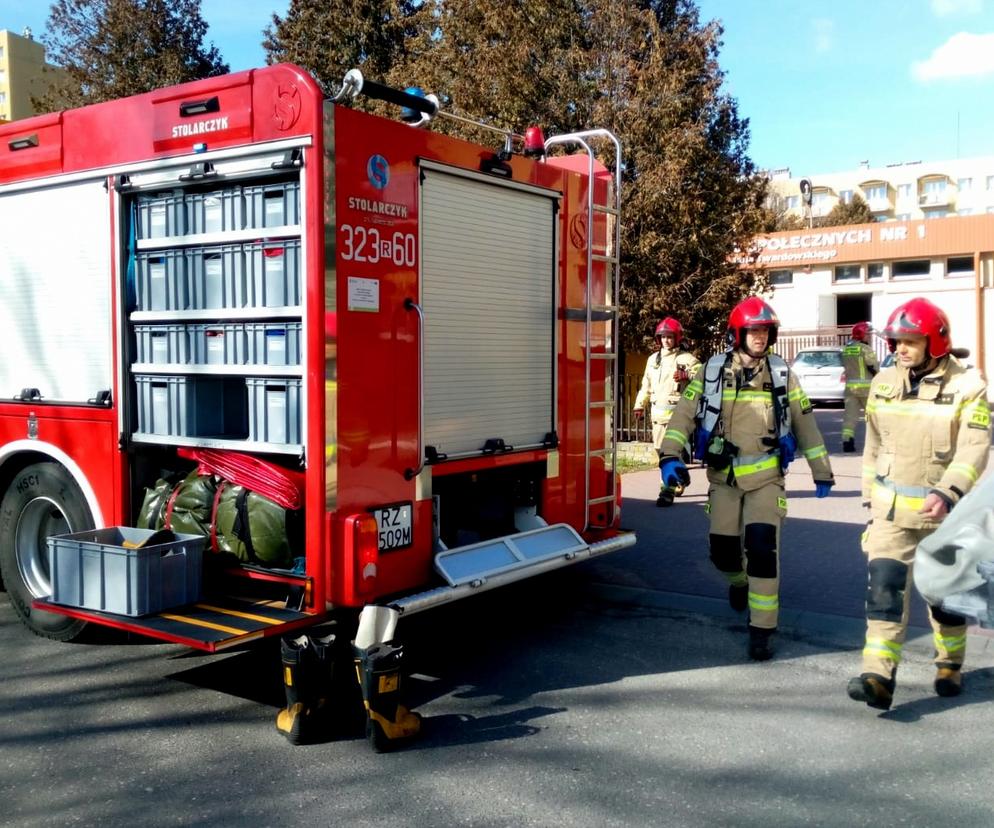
(614,693)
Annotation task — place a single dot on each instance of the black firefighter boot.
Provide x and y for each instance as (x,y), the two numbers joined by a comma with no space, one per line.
(849,445)
(666,495)
(760,643)
(875,690)
(388,722)
(308,665)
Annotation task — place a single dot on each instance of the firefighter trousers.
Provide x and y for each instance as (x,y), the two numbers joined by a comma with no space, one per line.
(658,431)
(855,409)
(890,551)
(745,543)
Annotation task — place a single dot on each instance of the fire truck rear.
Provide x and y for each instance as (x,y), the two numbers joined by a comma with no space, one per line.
(416,334)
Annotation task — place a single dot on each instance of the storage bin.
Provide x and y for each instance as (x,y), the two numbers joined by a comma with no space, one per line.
(221,343)
(163,344)
(215,211)
(273,343)
(192,406)
(272,205)
(216,277)
(274,410)
(161,215)
(161,282)
(95,570)
(272,274)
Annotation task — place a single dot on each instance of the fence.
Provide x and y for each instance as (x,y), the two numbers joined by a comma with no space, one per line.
(789,344)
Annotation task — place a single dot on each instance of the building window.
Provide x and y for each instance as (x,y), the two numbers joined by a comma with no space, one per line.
(959,266)
(990,182)
(932,214)
(847,273)
(904,190)
(846,196)
(3,98)
(964,211)
(819,203)
(964,185)
(990,210)
(911,269)
(903,217)
(3,75)
(781,277)
(875,272)
(792,202)
(875,193)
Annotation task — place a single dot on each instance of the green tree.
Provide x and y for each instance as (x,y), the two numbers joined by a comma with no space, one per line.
(114,48)
(857,211)
(329,37)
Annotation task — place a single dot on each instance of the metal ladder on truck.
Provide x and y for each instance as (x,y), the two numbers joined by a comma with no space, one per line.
(601,309)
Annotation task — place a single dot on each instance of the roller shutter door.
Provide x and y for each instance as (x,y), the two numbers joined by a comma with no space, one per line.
(488,292)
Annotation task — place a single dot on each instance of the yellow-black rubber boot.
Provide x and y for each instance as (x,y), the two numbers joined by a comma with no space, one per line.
(388,722)
(308,665)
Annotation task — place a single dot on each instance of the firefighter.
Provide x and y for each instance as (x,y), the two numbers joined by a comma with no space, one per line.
(750,416)
(666,375)
(861,365)
(927,438)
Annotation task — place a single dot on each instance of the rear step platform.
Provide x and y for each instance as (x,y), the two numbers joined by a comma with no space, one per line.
(215,623)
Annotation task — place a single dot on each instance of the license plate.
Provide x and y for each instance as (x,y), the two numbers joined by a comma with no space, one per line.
(394,526)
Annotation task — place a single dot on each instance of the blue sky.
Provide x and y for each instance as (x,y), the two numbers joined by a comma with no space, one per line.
(824,85)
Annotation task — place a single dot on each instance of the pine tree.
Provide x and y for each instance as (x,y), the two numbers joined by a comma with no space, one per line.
(114,48)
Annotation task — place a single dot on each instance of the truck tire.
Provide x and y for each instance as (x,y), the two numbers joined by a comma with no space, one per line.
(41,500)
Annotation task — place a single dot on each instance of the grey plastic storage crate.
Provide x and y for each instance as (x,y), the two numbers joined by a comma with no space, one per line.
(95,570)
(272,274)
(221,343)
(273,343)
(192,406)
(216,277)
(161,283)
(161,215)
(163,344)
(272,205)
(274,410)
(215,211)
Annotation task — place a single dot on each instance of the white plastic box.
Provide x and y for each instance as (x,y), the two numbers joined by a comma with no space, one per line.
(161,215)
(272,205)
(216,277)
(215,211)
(94,570)
(272,274)
(220,343)
(163,344)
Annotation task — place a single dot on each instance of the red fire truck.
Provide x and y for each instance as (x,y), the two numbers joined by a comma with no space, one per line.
(423,330)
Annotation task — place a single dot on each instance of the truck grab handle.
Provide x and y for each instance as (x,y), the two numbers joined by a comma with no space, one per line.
(410,304)
(354,83)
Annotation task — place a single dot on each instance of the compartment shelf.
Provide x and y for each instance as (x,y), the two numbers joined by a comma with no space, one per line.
(288,231)
(219,443)
(219,370)
(216,314)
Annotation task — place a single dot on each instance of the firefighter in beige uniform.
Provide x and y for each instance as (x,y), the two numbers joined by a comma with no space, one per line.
(750,416)
(666,375)
(927,439)
(860,364)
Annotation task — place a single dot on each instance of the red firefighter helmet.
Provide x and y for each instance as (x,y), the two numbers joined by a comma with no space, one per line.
(919,317)
(861,331)
(670,326)
(751,313)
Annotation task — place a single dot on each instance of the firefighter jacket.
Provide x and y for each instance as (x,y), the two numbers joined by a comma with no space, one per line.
(659,387)
(932,438)
(860,363)
(748,421)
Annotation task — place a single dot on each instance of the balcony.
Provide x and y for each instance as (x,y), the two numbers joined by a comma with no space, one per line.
(935,199)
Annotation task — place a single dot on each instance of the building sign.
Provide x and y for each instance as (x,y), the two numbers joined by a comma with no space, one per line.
(870,242)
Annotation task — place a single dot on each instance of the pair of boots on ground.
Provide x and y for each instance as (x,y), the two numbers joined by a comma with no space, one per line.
(316,698)
(760,639)
(878,691)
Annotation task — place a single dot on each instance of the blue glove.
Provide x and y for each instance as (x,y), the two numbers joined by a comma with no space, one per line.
(701,440)
(788,451)
(823,487)
(674,471)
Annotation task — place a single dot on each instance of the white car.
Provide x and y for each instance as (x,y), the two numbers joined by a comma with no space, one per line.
(820,372)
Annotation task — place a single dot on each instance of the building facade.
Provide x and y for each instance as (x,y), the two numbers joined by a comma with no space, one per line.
(23,74)
(896,192)
(826,279)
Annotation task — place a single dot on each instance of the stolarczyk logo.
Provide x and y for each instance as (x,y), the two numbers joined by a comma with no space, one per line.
(286,110)
(378,171)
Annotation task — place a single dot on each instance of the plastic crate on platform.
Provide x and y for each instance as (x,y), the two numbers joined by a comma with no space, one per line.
(215,211)
(161,215)
(110,571)
(182,406)
(219,343)
(216,277)
(161,283)
(272,205)
(163,344)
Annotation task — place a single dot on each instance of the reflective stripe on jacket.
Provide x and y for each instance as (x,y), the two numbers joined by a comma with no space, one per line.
(860,364)
(659,388)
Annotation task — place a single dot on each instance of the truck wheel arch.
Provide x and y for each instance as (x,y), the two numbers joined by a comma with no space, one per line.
(38,496)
